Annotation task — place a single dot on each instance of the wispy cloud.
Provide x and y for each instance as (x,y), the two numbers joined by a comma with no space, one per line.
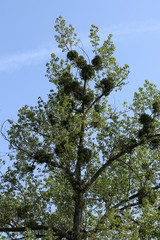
(120,32)
(33,57)
(131,29)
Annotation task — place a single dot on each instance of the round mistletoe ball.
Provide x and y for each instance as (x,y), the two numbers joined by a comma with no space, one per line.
(81,62)
(72,55)
(97,62)
(87,72)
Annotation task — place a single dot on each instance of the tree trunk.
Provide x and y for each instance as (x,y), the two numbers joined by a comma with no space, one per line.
(78,217)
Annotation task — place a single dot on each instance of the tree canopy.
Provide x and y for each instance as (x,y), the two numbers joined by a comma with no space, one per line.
(82,168)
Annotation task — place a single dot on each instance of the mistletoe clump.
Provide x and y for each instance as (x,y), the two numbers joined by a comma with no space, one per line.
(31,223)
(81,62)
(127,144)
(51,119)
(71,86)
(75,86)
(107,85)
(78,93)
(88,98)
(65,81)
(42,156)
(147,121)
(87,72)
(97,62)
(72,55)
(155,142)
(141,133)
(97,107)
(60,148)
(22,211)
(156,108)
(147,193)
(84,154)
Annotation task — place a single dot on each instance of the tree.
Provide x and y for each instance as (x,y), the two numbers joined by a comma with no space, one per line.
(83,169)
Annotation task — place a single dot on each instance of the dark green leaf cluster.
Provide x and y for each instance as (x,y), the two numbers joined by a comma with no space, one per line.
(81,62)
(42,156)
(147,193)
(147,122)
(145,119)
(107,85)
(65,81)
(127,144)
(155,142)
(97,62)
(156,108)
(72,55)
(22,211)
(31,223)
(71,86)
(51,118)
(84,154)
(87,72)
(88,98)
(76,87)
(60,148)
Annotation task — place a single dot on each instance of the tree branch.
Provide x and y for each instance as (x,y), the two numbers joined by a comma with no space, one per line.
(59,232)
(108,163)
(130,168)
(129,205)
(112,159)
(102,219)
(96,100)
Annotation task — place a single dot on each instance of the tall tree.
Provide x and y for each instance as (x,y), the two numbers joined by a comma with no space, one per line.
(82,168)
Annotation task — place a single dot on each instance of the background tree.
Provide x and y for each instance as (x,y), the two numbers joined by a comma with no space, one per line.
(83,169)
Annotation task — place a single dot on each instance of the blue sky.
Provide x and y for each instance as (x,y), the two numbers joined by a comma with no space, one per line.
(27,40)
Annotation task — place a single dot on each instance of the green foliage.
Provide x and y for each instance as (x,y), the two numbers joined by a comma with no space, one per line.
(41,156)
(84,154)
(147,193)
(72,55)
(81,62)
(81,168)
(155,142)
(107,85)
(87,72)
(145,119)
(97,62)
(156,108)
(94,37)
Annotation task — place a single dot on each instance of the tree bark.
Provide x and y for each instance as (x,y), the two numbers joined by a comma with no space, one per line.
(78,216)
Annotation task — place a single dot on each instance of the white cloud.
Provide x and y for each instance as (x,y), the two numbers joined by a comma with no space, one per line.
(132,29)
(120,32)
(17,61)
